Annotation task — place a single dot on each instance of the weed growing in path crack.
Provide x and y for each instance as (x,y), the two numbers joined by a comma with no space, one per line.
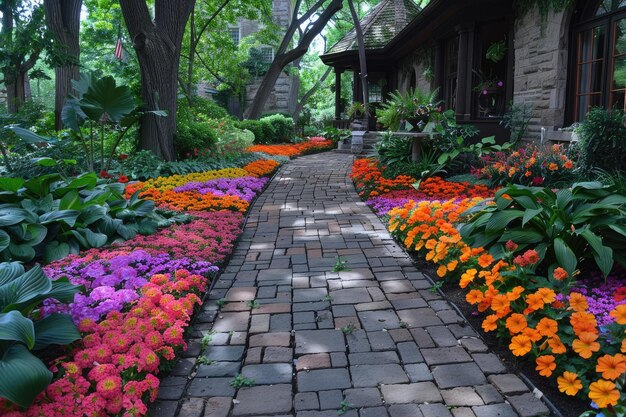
(221,302)
(436,286)
(253,304)
(206,339)
(404,324)
(341,264)
(241,381)
(344,406)
(204,360)
(348,329)
(328,298)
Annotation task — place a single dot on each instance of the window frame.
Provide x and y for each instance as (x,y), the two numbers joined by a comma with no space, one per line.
(588,21)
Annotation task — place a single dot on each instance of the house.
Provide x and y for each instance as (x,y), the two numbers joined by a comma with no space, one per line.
(483,55)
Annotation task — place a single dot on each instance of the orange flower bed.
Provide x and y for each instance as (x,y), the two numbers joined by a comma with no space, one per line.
(370,182)
(293,150)
(439,188)
(194,201)
(261,167)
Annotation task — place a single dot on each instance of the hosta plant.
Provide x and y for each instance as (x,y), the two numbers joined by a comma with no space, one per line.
(50,218)
(22,330)
(584,226)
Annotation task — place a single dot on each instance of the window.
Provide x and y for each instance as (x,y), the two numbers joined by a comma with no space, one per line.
(490,70)
(375,92)
(600,42)
(267,54)
(451,64)
(234,35)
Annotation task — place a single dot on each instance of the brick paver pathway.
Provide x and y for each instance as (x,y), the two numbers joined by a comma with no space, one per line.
(403,351)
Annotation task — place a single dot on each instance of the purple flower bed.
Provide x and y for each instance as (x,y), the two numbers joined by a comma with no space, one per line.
(603,296)
(112,280)
(382,205)
(245,188)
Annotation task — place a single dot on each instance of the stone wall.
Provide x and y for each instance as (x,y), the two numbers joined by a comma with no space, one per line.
(540,78)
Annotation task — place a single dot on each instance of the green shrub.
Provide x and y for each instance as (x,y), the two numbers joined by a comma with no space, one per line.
(579,228)
(202,108)
(283,126)
(193,138)
(25,375)
(602,141)
(263,131)
(47,217)
(233,142)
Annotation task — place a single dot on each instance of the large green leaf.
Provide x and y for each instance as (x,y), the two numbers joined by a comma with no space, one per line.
(530,214)
(23,289)
(528,236)
(40,186)
(603,255)
(72,115)
(11,184)
(91,214)
(66,216)
(70,201)
(55,251)
(64,291)
(11,215)
(104,98)
(5,239)
(28,136)
(9,271)
(500,220)
(23,376)
(24,252)
(35,234)
(565,256)
(15,327)
(56,329)
(45,162)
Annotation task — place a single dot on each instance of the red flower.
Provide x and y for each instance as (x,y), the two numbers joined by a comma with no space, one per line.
(123,179)
(537,181)
(123,156)
(511,246)
(104,174)
(620,294)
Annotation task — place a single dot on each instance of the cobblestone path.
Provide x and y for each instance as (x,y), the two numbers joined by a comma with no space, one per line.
(372,341)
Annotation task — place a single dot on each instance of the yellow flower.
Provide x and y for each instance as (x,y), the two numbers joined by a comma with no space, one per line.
(569,383)
(603,393)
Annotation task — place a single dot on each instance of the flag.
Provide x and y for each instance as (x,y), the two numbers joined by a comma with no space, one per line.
(119,51)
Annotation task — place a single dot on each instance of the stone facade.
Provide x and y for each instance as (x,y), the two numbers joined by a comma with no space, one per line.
(540,75)
(284,96)
(412,66)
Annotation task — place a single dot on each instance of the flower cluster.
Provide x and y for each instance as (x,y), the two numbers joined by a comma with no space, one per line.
(112,279)
(245,188)
(369,181)
(210,237)
(114,368)
(434,188)
(292,150)
(527,166)
(169,183)
(261,167)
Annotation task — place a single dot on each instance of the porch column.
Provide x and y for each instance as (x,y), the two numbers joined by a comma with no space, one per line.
(464,74)
(338,93)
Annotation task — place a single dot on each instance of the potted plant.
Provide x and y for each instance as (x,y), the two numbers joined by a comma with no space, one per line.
(413,108)
(357,110)
(490,91)
(496,51)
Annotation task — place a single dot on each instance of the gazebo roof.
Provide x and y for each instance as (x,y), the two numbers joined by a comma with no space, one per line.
(379,26)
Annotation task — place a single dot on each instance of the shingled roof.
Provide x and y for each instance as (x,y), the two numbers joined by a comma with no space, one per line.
(380,25)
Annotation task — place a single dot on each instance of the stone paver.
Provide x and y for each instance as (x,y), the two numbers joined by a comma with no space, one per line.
(372,337)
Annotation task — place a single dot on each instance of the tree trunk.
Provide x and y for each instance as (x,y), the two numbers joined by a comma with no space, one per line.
(158,45)
(63,20)
(284,57)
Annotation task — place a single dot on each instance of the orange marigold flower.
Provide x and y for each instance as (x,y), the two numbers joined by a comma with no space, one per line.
(547,295)
(534,301)
(569,383)
(485,260)
(467,277)
(532,334)
(611,367)
(490,323)
(520,345)
(556,345)
(545,365)
(515,293)
(441,271)
(452,265)
(582,321)
(619,313)
(578,302)
(516,323)
(500,302)
(547,327)
(559,274)
(586,344)
(474,297)
(604,393)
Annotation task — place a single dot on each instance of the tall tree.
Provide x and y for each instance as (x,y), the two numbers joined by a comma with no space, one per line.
(157,43)
(284,55)
(23,38)
(63,20)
